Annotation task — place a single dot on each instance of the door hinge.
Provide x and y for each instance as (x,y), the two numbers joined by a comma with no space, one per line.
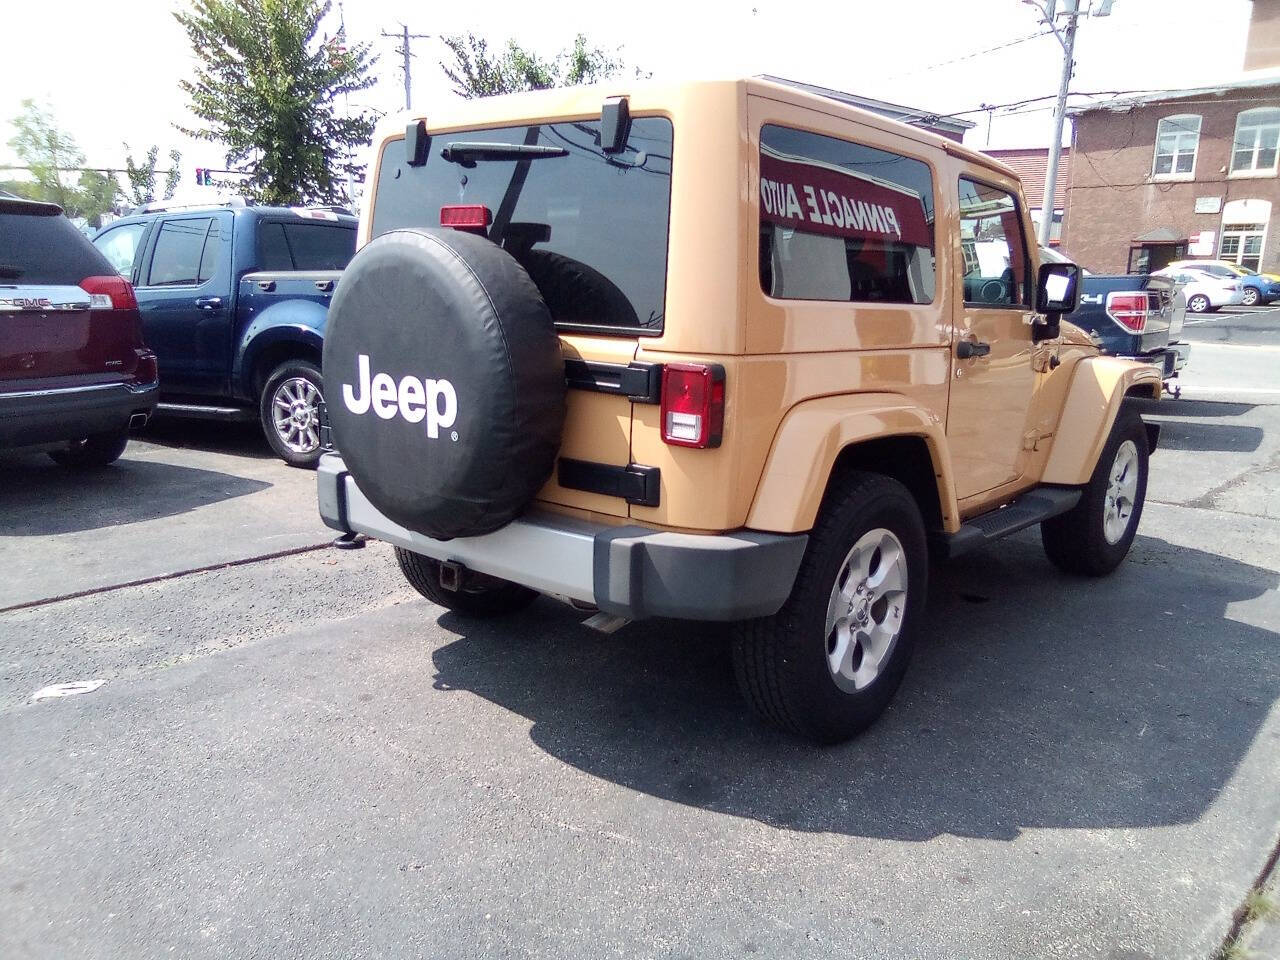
(1032,438)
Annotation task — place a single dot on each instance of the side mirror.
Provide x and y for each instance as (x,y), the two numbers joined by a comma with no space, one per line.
(1057,292)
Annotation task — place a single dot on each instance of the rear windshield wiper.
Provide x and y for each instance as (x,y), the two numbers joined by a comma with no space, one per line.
(468,152)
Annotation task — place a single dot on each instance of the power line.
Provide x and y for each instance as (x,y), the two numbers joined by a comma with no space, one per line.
(968,56)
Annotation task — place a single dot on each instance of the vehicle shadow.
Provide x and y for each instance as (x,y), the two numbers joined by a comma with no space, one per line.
(1190,408)
(1198,435)
(243,439)
(38,497)
(1035,700)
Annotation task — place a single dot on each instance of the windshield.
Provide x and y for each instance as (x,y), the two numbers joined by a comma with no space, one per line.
(590,227)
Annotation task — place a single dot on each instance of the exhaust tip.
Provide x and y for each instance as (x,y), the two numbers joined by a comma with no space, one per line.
(138,420)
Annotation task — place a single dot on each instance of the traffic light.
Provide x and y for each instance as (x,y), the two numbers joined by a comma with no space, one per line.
(204,177)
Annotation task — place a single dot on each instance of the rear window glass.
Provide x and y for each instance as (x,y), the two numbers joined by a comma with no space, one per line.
(49,250)
(316,246)
(179,247)
(273,249)
(843,221)
(590,227)
(304,246)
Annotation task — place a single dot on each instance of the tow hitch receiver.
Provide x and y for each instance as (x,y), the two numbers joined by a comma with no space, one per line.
(451,575)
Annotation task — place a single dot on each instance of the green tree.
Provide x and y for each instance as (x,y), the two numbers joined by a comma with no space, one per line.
(53,158)
(142,176)
(268,89)
(477,72)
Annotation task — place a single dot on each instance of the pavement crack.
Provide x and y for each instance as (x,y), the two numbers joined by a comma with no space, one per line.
(160,578)
(1240,918)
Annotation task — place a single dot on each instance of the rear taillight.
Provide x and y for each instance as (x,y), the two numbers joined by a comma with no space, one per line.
(465,216)
(692,404)
(109,293)
(146,371)
(1129,310)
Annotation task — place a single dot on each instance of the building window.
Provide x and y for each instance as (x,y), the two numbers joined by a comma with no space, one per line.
(1242,244)
(1177,139)
(1257,133)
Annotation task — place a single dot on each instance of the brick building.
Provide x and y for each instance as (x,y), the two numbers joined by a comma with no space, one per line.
(1031,165)
(1193,172)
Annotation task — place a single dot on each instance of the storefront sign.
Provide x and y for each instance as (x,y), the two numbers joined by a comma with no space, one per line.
(1202,243)
(1208,204)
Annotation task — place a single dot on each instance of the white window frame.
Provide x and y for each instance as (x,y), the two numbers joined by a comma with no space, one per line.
(1248,119)
(1181,128)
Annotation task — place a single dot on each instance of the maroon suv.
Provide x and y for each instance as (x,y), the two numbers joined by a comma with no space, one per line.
(73,368)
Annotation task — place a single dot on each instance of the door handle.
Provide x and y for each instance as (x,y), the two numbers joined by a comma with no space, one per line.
(324,285)
(967,349)
(209,303)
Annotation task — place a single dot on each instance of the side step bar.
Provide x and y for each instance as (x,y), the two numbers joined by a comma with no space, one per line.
(203,412)
(1029,509)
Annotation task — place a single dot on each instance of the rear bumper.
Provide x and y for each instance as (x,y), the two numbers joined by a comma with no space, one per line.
(1169,360)
(55,413)
(630,571)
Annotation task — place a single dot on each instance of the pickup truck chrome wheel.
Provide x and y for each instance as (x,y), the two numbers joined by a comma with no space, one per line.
(1122,492)
(864,614)
(296,406)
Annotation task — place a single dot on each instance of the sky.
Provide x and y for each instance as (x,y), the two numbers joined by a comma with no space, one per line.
(109,72)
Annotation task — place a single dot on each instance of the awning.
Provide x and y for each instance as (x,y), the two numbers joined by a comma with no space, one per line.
(1159,235)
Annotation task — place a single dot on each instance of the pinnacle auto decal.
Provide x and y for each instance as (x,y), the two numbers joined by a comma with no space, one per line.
(822,199)
(413,398)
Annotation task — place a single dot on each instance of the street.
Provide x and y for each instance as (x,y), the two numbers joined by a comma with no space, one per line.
(297,755)
(1235,354)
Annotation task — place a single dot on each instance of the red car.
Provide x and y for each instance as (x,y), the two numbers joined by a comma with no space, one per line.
(73,369)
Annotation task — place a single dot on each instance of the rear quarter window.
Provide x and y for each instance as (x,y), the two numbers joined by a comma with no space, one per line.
(589,227)
(43,249)
(840,220)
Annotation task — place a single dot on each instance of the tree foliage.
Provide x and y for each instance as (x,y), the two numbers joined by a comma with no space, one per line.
(56,164)
(268,88)
(142,176)
(475,71)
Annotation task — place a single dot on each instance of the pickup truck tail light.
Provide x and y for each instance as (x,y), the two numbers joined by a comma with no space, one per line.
(692,404)
(1129,310)
(109,293)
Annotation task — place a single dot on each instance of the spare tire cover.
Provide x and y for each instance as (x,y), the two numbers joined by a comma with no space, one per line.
(444,380)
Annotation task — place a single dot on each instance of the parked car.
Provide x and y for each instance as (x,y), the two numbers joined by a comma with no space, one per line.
(1256,287)
(1205,291)
(1133,315)
(570,360)
(74,373)
(233,301)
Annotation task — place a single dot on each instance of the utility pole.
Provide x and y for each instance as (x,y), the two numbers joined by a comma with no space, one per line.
(1067,37)
(405,36)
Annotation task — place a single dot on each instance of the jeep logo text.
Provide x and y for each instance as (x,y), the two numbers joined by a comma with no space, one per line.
(413,398)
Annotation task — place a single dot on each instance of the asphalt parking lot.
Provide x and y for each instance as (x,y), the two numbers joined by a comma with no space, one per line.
(295,755)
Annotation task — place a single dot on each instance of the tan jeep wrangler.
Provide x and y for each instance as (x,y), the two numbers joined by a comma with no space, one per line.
(718,351)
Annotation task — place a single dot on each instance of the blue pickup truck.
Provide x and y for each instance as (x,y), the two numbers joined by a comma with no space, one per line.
(1133,315)
(234,301)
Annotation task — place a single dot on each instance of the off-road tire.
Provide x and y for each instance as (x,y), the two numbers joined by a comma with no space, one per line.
(1199,304)
(1075,541)
(492,598)
(781,661)
(289,370)
(1251,297)
(92,452)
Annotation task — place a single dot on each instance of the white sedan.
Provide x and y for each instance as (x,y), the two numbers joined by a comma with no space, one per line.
(1203,290)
